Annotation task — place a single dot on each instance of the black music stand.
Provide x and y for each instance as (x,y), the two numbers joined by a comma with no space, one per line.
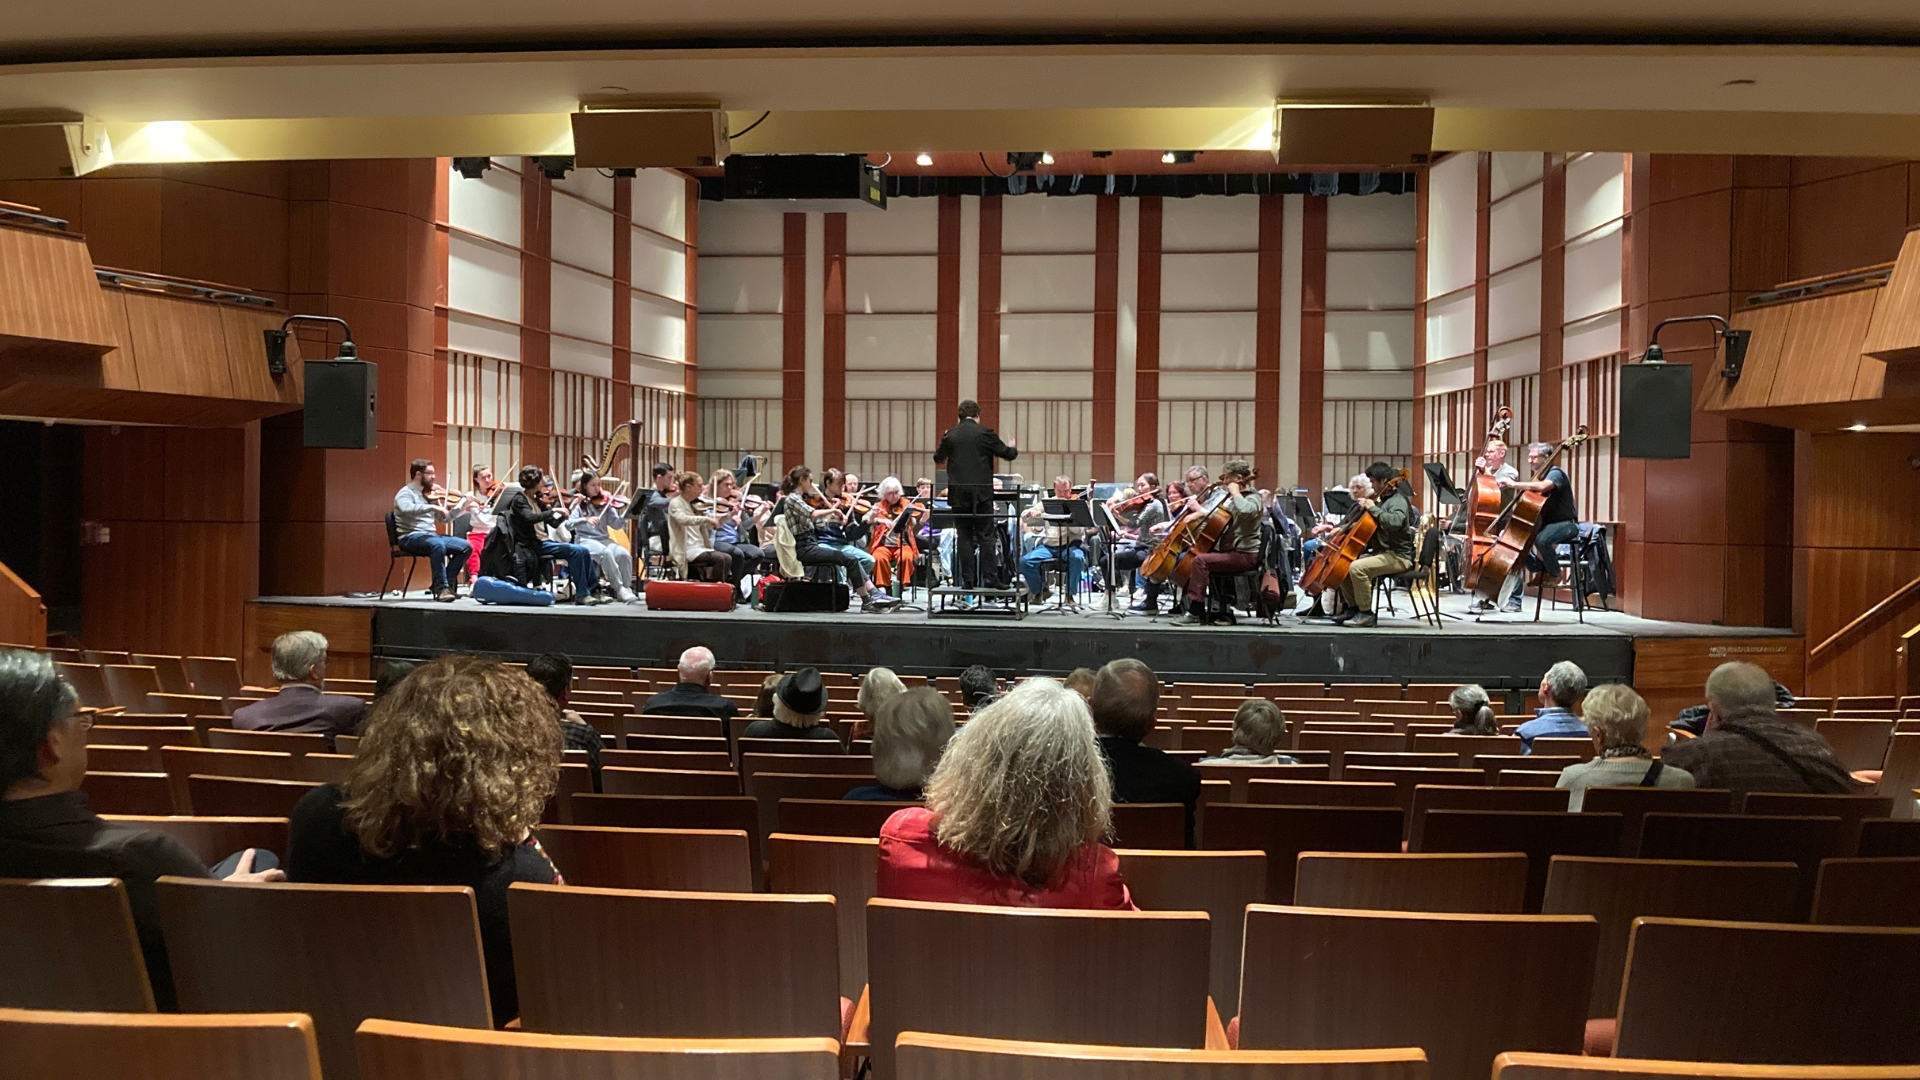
(1337,504)
(1109,528)
(1444,489)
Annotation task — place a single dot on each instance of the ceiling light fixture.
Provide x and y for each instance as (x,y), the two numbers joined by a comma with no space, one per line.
(1046,157)
(1738,82)
(1179,157)
(924,159)
(1167,158)
(1857,427)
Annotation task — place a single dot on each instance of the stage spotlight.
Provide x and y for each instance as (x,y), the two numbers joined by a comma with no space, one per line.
(472,167)
(1023,160)
(924,159)
(1046,158)
(1179,157)
(555,167)
(1166,158)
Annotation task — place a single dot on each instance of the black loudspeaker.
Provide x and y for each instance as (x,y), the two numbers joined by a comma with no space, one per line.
(1656,410)
(342,404)
(807,596)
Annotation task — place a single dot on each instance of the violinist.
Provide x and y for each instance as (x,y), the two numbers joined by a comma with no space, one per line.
(479,503)
(1141,512)
(1237,550)
(856,504)
(1055,542)
(894,521)
(418,508)
(593,521)
(806,511)
(1559,518)
(738,534)
(836,532)
(690,533)
(1391,550)
(556,542)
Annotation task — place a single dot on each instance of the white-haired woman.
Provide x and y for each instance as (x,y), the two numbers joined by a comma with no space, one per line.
(1617,718)
(876,688)
(1015,815)
(910,730)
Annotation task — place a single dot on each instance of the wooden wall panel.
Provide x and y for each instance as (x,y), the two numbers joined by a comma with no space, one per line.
(946,360)
(237,238)
(1857,540)
(349,633)
(988,391)
(1839,222)
(1313,342)
(1106,330)
(1671,673)
(1690,245)
(48,293)
(833,345)
(1146,344)
(793,340)
(1267,343)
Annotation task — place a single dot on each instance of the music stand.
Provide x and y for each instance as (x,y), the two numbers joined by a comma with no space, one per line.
(1444,490)
(1068,514)
(1337,504)
(1109,528)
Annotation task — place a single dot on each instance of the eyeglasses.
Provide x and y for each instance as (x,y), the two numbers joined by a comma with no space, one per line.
(84,721)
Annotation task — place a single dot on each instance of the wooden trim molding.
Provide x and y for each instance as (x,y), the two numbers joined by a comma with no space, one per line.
(1146,348)
(988,394)
(1266,357)
(1313,340)
(1106,329)
(793,340)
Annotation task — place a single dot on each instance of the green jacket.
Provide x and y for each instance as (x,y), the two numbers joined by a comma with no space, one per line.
(1395,523)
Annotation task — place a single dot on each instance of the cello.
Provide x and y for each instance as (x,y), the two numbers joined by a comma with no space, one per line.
(1512,532)
(1336,555)
(1194,534)
(1483,495)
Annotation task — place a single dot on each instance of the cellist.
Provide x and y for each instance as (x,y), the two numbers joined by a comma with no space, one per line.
(1559,518)
(1389,553)
(1310,545)
(1237,550)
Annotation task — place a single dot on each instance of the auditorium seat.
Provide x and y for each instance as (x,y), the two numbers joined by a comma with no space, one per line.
(390,1050)
(1868,892)
(1321,793)
(1369,726)
(1405,780)
(1211,741)
(1575,1067)
(70,944)
(1858,744)
(264,1046)
(1467,747)
(214,676)
(1787,995)
(234,796)
(956,1057)
(1749,838)
(730,812)
(671,760)
(694,860)
(707,727)
(346,744)
(675,964)
(1220,883)
(1540,834)
(128,793)
(1850,809)
(1283,832)
(1486,884)
(171,671)
(787,746)
(768,788)
(212,839)
(1554,746)
(1897,778)
(129,684)
(620,780)
(1633,804)
(1337,743)
(151,736)
(271,741)
(1239,776)
(1367,759)
(573,780)
(1461,987)
(1526,778)
(837,817)
(1617,891)
(811,764)
(1110,977)
(705,744)
(183,761)
(1430,797)
(1494,764)
(134,759)
(1885,838)
(1160,826)
(1290,689)
(843,867)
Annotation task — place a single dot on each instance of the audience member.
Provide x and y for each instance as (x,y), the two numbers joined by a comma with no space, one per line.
(1472,712)
(763,705)
(1080,681)
(978,686)
(1015,813)
(554,672)
(1125,694)
(799,704)
(909,732)
(47,829)
(392,670)
(300,667)
(1258,727)
(452,774)
(1561,688)
(1618,719)
(1746,747)
(691,696)
(878,685)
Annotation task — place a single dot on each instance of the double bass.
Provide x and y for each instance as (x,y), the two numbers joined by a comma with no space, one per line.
(1349,542)
(1192,535)
(1483,496)
(1512,532)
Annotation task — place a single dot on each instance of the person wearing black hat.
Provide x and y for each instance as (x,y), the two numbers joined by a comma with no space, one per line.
(649,508)
(799,704)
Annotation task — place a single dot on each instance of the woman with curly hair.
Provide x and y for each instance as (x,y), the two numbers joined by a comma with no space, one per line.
(454,768)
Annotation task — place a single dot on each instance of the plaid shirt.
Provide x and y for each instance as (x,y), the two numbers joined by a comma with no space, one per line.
(580,735)
(1729,757)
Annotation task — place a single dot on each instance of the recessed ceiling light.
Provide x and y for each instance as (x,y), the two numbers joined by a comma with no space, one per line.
(615,89)
(924,159)
(1046,157)
(1166,158)
(1858,427)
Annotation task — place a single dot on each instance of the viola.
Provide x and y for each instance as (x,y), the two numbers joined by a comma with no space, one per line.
(1512,532)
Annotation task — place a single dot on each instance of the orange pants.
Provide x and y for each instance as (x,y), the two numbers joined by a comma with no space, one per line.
(891,561)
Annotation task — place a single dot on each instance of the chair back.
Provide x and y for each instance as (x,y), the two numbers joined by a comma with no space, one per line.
(812,764)
(89,684)
(1850,809)
(133,759)
(1888,838)
(187,705)
(1579,746)
(675,964)
(1462,987)
(1900,775)
(1633,804)
(730,812)
(70,943)
(129,684)
(214,676)
(1868,892)
(837,817)
(620,780)
(266,1046)
(679,760)
(954,1057)
(1150,825)
(171,670)
(1405,780)
(399,1051)
(1858,744)
(1124,978)
(285,742)
(1337,743)
(1399,759)
(1321,793)
(692,860)
(339,953)
(1746,838)
(1542,834)
(1488,884)
(128,792)
(212,839)
(1466,746)
(1580,1067)
(1283,832)
(708,727)
(843,867)
(233,796)
(1806,995)
(1220,883)
(823,747)
(185,761)
(1618,891)
(1430,797)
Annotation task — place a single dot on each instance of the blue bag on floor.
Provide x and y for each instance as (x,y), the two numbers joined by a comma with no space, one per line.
(492,590)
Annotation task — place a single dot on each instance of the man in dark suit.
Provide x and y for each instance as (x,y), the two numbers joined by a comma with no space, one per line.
(1125,695)
(300,667)
(691,696)
(968,450)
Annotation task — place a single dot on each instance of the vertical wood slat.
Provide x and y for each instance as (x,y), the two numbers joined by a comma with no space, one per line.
(690,401)
(833,302)
(946,364)
(988,394)
(1148,440)
(1266,360)
(536,311)
(1422,450)
(1106,330)
(1553,298)
(793,340)
(1313,341)
(1482,261)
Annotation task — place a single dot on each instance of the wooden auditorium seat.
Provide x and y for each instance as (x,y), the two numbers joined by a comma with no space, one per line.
(1868,892)
(190,705)
(1488,884)
(843,867)
(185,761)
(1337,743)
(1526,778)
(692,860)
(787,746)
(811,764)
(260,1046)
(171,670)
(1746,838)
(235,796)
(151,736)
(129,684)
(671,760)
(70,944)
(1886,838)
(707,727)
(212,839)
(676,964)
(1850,809)
(1220,883)
(1858,744)
(1461,987)
(1561,746)
(339,953)
(1238,776)
(1405,780)
(1398,759)
(1211,741)
(128,793)
(837,817)
(89,683)
(768,789)
(287,742)
(1160,826)
(1578,1067)
(1541,834)
(1431,797)
(1283,832)
(1494,764)
(921,1056)
(1897,778)
(707,744)
(390,1050)
(620,780)
(1110,977)
(124,759)
(1321,793)
(732,812)
(1633,804)
(215,676)
(1466,747)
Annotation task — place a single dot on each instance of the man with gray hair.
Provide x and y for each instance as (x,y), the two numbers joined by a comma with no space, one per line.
(691,696)
(1125,694)
(300,667)
(1561,688)
(1746,747)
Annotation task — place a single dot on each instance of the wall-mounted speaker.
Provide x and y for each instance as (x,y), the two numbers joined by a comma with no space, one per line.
(342,404)
(1656,410)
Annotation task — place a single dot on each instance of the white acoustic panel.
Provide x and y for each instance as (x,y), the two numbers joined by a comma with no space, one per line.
(659,265)
(582,234)
(1513,229)
(1208,386)
(905,227)
(483,278)
(660,202)
(659,328)
(733,229)
(656,373)
(1515,170)
(717,385)
(1453,194)
(1596,191)
(897,386)
(488,205)
(1210,223)
(567,354)
(1514,360)
(590,184)
(1041,223)
(1045,386)
(1593,273)
(881,342)
(1373,280)
(1214,340)
(741,283)
(1598,336)
(1047,282)
(1356,222)
(905,283)
(1449,376)
(582,304)
(482,337)
(1214,282)
(741,342)
(1450,328)
(1369,385)
(1513,303)
(1369,341)
(1046,342)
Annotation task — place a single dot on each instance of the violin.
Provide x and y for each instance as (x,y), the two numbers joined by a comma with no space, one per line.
(1133,501)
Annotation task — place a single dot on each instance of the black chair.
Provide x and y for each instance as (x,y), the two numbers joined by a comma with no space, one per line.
(1587,545)
(394,555)
(1424,575)
(1240,589)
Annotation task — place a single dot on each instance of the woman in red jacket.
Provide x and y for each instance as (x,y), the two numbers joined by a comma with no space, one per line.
(1015,813)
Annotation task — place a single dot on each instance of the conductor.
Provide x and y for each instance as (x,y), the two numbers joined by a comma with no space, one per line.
(968,450)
